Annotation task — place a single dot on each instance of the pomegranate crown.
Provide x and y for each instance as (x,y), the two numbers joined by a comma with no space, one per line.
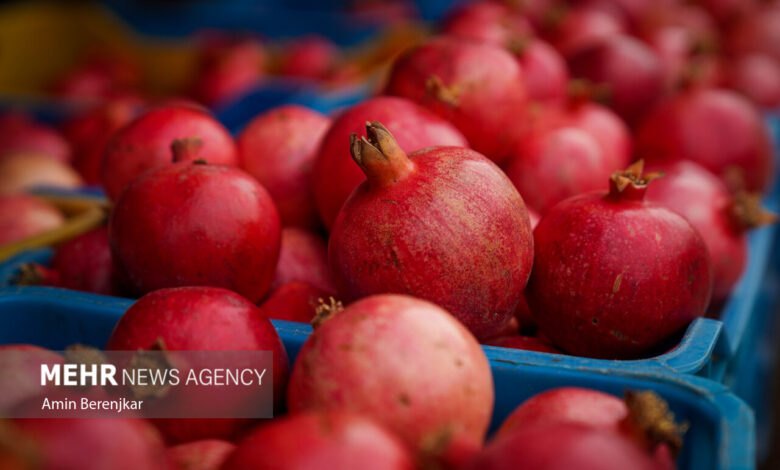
(379,155)
(651,421)
(747,211)
(326,310)
(631,182)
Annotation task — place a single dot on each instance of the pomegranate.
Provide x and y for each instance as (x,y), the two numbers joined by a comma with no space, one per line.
(89,133)
(567,445)
(364,359)
(294,301)
(85,264)
(90,444)
(228,68)
(303,257)
(225,233)
(545,73)
(615,276)
(528,343)
(335,175)
(145,143)
(756,32)
(278,148)
(757,77)
(333,439)
(200,319)
(722,220)
(717,129)
(101,75)
(610,132)
(629,70)
(568,405)
(23,216)
(23,171)
(443,224)
(20,374)
(310,57)
(476,86)
(19,133)
(488,21)
(583,27)
(207,454)
(551,166)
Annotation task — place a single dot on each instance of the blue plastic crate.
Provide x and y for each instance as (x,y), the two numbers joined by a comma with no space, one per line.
(721,426)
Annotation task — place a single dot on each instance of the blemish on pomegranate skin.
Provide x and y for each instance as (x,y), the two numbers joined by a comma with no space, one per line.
(616,285)
(404,399)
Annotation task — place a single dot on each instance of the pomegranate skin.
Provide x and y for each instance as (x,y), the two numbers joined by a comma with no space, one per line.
(294,301)
(545,73)
(19,133)
(487,21)
(23,216)
(629,69)
(614,276)
(583,27)
(757,76)
(717,129)
(456,233)
(567,446)
(303,257)
(345,365)
(90,132)
(85,264)
(209,225)
(331,439)
(335,175)
(22,172)
(568,405)
(207,454)
(609,130)
(229,67)
(696,194)
(478,87)
(200,319)
(551,166)
(310,57)
(145,143)
(528,343)
(278,148)
(95,444)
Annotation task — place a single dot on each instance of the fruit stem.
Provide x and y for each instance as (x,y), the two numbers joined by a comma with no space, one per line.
(631,184)
(747,213)
(33,274)
(186,149)
(651,423)
(379,156)
(325,311)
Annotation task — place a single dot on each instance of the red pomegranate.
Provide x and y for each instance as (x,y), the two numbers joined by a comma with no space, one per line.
(294,301)
(278,148)
(757,76)
(545,73)
(200,319)
(583,27)
(629,70)
(303,257)
(23,216)
(609,130)
(228,67)
(196,224)
(528,343)
(90,132)
(717,129)
(89,444)
(548,167)
(145,143)
(335,175)
(364,359)
(310,57)
(615,276)
(722,220)
(333,439)
(488,21)
(207,454)
(476,86)
(758,31)
(20,375)
(20,134)
(443,224)
(20,172)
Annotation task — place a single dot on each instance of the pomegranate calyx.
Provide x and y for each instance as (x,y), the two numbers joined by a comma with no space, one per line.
(448,95)
(518,44)
(651,422)
(631,182)
(82,354)
(186,148)
(379,155)
(151,359)
(326,310)
(30,274)
(748,213)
